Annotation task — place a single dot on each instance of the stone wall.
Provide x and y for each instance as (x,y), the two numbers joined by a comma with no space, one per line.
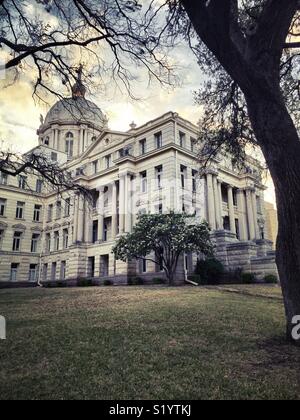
(252,256)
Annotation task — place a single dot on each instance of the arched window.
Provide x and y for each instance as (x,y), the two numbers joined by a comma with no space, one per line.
(46,141)
(69,144)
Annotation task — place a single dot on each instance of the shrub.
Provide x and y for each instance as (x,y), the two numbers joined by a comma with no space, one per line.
(61,284)
(210,271)
(271,279)
(108,283)
(84,283)
(158,280)
(135,281)
(248,278)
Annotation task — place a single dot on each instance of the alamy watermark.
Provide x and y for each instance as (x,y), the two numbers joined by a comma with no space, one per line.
(2,328)
(296,329)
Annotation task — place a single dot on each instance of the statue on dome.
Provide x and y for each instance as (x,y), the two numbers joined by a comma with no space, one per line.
(79,90)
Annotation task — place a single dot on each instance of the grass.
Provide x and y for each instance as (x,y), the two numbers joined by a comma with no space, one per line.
(145,343)
(269,291)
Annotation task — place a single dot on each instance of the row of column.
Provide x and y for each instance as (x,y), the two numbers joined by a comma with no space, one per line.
(246,203)
(121,210)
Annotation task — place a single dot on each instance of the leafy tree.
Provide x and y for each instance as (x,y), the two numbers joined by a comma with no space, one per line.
(166,237)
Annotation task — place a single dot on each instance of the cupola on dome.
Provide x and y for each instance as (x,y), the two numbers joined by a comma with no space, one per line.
(76,109)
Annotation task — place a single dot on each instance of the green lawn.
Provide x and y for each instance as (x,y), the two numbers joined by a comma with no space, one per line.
(145,343)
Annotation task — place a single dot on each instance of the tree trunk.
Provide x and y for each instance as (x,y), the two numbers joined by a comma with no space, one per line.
(170,276)
(278,138)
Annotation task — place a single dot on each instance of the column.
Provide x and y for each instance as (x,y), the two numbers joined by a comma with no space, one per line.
(211,202)
(128,203)
(80,141)
(231,210)
(135,199)
(250,213)
(221,204)
(75,226)
(254,206)
(242,215)
(80,219)
(217,203)
(88,223)
(114,221)
(101,214)
(122,204)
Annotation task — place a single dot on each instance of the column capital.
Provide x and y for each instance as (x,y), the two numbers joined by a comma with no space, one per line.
(126,173)
(211,171)
(250,189)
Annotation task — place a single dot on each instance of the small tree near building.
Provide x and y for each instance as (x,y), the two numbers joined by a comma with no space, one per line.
(162,239)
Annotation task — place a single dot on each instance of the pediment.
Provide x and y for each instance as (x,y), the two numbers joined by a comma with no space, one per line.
(106,140)
(19,227)
(37,229)
(3,225)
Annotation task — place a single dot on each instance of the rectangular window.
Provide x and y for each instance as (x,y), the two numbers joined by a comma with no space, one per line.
(63,270)
(37,213)
(2,207)
(143,181)
(48,242)
(91,267)
(159,176)
(95,231)
(144,266)
(34,242)
(56,241)
(107,160)
(14,272)
(193,144)
(67,207)
(17,241)
(183,170)
(66,238)
(20,210)
(1,238)
(33,271)
(3,179)
(143,147)
(53,271)
(194,180)
(182,138)
(95,167)
(45,272)
(22,182)
(159,209)
(50,212)
(107,229)
(54,156)
(58,210)
(39,186)
(158,140)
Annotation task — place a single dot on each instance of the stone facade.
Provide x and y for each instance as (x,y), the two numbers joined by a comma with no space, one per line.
(151,168)
(271,222)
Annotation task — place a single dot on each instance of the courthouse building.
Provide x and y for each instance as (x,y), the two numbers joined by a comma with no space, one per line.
(149,168)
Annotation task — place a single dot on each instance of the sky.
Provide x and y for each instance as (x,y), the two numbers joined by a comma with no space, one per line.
(20,113)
